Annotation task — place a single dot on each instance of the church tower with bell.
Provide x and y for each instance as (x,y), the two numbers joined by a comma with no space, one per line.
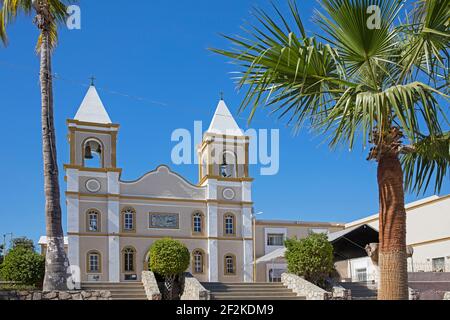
(93,170)
(224,171)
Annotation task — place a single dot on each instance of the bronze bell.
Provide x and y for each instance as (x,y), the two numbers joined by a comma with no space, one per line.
(87,152)
(224,167)
(99,149)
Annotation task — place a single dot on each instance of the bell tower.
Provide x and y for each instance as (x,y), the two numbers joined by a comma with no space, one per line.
(224,171)
(92,136)
(92,171)
(223,154)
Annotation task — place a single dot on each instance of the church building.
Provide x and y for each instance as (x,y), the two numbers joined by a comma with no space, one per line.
(112,223)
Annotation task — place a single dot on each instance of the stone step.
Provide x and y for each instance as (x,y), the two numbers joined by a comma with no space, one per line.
(246,297)
(256,294)
(250,290)
(128,297)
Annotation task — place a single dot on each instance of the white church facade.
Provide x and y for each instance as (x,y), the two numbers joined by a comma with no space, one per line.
(112,223)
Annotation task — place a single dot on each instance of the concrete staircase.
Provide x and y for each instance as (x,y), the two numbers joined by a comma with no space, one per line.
(250,291)
(119,291)
(361,290)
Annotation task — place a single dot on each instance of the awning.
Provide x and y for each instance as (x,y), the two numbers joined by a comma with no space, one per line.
(276,254)
(350,243)
(347,244)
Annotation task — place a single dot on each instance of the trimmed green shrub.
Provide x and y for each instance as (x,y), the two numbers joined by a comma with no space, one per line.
(311,258)
(24,266)
(169,258)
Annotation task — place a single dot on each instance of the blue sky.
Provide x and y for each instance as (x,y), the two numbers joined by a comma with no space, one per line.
(158,53)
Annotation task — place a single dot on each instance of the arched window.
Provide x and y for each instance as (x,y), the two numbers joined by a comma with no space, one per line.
(92,153)
(229,222)
(93,221)
(198,259)
(128,219)
(129,262)
(94,262)
(228,165)
(197,223)
(230,264)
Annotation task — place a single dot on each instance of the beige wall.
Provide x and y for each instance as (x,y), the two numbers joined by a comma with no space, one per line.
(427,228)
(294,229)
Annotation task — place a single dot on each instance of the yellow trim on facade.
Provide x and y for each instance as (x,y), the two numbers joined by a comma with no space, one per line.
(94,124)
(302,224)
(97,252)
(130,235)
(122,197)
(406,209)
(122,219)
(122,259)
(204,266)
(429,241)
(81,168)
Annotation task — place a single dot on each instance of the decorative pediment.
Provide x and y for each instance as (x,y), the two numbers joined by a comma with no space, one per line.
(162,183)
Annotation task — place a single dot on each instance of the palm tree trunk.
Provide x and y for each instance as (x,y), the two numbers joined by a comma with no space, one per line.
(392,230)
(56,262)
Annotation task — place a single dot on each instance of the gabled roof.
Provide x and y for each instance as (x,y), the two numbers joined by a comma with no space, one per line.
(92,109)
(223,122)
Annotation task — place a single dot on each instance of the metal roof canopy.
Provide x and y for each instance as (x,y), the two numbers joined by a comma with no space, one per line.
(350,243)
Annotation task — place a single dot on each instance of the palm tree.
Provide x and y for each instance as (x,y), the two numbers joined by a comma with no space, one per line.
(381,81)
(48,14)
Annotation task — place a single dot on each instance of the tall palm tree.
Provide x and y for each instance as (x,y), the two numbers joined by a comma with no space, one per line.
(47,15)
(381,81)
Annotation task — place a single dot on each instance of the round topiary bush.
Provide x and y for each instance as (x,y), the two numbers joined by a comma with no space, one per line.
(169,258)
(311,258)
(24,266)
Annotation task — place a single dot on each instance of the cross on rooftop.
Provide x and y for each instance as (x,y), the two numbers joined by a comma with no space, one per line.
(92,78)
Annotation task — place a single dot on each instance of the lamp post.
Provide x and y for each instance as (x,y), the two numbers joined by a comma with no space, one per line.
(4,242)
(254,242)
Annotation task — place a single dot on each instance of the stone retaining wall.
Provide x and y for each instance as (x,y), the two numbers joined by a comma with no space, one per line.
(55,295)
(304,288)
(193,289)
(151,286)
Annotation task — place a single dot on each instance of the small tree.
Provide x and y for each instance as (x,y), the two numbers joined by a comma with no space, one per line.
(23,242)
(169,258)
(23,265)
(311,258)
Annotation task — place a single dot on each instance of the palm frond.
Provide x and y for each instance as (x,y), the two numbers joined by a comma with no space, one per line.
(362,47)
(10,9)
(297,75)
(429,161)
(427,38)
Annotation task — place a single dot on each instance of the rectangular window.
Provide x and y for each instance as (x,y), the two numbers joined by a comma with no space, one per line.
(229,225)
(93,222)
(275,239)
(197,223)
(129,267)
(229,267)
(128,221)
(198,265)
(361,275)
(94,264)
